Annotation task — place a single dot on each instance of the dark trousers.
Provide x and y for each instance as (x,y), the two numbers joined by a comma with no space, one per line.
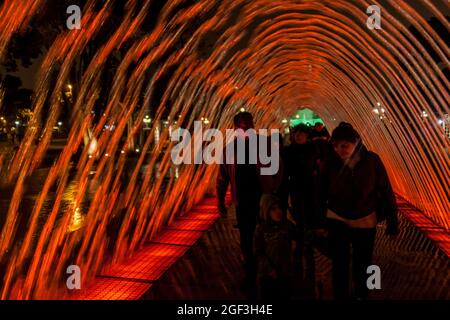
(302,211)
(350,246)
(247,215)
(275,289)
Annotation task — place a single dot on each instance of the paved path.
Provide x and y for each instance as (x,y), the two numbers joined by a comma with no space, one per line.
(412,267)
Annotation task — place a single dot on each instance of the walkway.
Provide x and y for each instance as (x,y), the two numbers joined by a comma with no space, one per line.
(198,257)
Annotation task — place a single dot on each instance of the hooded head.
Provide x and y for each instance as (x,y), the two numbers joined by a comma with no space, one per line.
(269,203)
(345,140)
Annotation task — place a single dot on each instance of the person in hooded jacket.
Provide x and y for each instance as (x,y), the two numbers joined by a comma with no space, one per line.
(274,244)
(354,195)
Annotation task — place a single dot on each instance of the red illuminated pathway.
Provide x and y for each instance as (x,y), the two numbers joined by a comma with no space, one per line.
(131,279)
(212,270)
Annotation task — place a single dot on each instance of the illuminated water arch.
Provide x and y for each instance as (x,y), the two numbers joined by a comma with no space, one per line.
(268,57)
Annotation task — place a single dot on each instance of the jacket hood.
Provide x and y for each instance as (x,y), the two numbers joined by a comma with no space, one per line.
(267,201)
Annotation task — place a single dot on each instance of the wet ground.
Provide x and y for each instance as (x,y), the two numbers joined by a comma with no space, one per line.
(412,267)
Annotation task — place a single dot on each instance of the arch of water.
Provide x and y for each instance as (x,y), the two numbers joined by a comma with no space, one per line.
(214,58)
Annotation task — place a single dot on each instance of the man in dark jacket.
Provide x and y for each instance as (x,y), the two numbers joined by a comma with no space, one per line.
(300,163)
(244,180)
(301,160)
(354,195)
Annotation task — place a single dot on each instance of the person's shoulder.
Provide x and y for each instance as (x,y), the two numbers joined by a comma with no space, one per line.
(373,159)
(372,155)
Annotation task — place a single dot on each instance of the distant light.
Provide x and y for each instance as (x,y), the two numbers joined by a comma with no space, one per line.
(106,154)
(206,121)
(17,123)
(147,116)
(69,86)
(122,152)
(297,116)
(60,123)
(90,157)
(382,110)
(376,111)
(242,110)
(441,122)
(379,104)
(202,118)
(284,121)
(137,150)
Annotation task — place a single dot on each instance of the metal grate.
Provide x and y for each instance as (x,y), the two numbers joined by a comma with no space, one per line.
(130,279)
(112,289)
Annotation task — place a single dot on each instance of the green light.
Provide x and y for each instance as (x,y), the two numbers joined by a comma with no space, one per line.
(305,116)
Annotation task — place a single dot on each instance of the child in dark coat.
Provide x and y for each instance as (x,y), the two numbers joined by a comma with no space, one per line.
(274,244)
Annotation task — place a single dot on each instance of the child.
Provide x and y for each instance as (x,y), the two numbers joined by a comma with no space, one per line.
(274,242)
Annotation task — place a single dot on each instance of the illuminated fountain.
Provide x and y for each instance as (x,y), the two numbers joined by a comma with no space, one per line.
(266,56)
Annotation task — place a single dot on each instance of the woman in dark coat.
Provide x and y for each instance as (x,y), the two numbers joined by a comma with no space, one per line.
(355,194)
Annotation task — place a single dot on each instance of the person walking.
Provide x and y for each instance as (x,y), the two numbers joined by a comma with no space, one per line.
(274,243)
(354,195)
(300,163)
(246,191)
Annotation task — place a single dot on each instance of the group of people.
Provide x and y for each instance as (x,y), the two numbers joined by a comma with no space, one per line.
(328,187)
(10,135)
